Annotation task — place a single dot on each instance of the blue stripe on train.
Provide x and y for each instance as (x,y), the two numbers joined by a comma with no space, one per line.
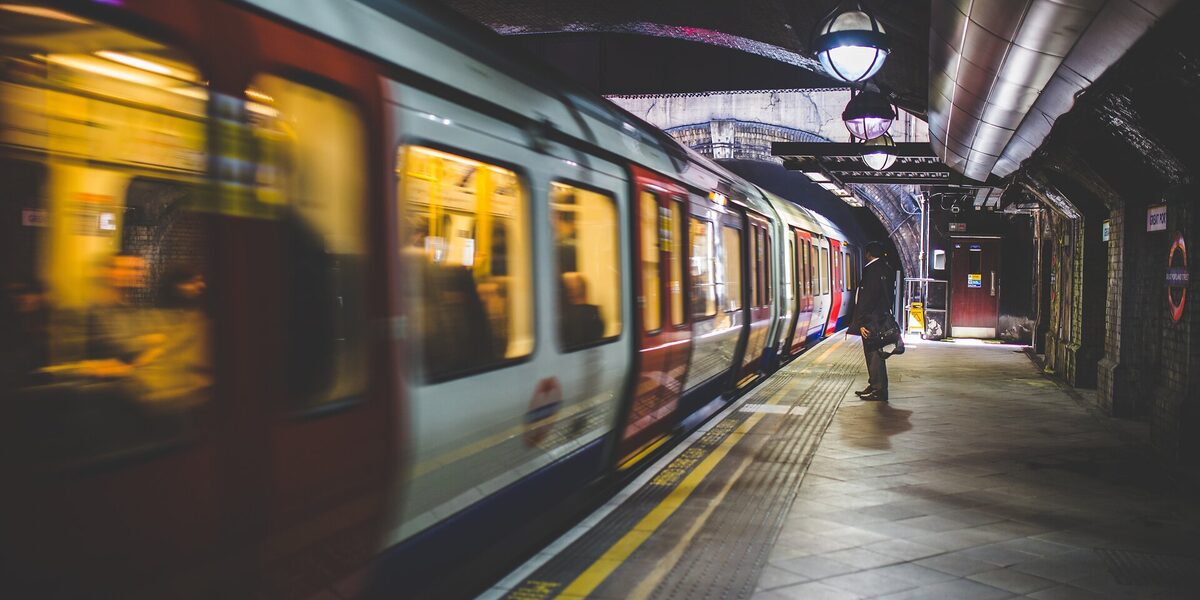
(841,322)
(435,550)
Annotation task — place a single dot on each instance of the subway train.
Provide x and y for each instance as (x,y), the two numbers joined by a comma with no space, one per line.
(339,296)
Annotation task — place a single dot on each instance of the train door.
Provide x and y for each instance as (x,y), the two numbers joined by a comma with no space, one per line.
(758,272)
(816,328)
(312,253)
(716,315)
(114,444)
(974,287)
(804,292)
(787,288)
(833,259)
(664,336)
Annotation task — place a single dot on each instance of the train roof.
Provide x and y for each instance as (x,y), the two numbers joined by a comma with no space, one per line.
(425,37)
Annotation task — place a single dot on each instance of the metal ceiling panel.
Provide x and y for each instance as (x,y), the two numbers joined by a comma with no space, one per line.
(1053,28)
(995,64)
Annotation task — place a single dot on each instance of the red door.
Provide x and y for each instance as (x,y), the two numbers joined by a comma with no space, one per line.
(974,287)
(835,285)
(315,397)
(664,335)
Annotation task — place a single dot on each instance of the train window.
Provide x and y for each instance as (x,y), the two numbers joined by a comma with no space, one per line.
(589,272)
(801,267)
(467,226)
(846,273)
(312,167)
(731,240)
(754,266)
(791,281)
(704,288)
(677,256)
(104,321)
(651,279)
(814,269)
(808,268)
(765,261)
(825,270)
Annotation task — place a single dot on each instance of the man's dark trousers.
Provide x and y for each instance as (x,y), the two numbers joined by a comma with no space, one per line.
(876,370)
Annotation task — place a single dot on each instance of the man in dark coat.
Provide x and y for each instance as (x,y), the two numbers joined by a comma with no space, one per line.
(872,306)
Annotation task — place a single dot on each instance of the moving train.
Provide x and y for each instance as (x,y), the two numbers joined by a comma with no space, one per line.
(294,287)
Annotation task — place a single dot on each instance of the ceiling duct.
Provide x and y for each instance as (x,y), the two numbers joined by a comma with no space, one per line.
(1002,71)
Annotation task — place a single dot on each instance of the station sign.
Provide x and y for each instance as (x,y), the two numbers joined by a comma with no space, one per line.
(1156,218)
(34,217)
(1105,230)
(1178,276)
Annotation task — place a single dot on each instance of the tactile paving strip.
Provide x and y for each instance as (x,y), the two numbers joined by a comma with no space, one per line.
(716,542)
(733,546)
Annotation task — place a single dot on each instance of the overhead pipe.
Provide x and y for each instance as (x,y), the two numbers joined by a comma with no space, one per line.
(1002,71)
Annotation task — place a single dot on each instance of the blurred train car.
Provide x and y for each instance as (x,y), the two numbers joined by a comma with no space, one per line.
(323,295)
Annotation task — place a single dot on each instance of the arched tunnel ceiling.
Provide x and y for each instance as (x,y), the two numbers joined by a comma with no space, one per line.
(775,29)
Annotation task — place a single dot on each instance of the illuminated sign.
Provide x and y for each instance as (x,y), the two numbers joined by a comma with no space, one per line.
(1156,218)
(1177,276)
(958,228)
(717,198)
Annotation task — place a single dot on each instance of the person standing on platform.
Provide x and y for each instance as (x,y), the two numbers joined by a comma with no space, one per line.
(872,306)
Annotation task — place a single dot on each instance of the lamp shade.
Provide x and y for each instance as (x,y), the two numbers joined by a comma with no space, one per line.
(868,115)
(879,153)
(851,44)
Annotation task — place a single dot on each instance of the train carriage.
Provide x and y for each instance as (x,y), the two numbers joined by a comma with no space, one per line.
(324,284)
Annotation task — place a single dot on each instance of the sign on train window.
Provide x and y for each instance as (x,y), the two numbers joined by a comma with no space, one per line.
(731,242)
(651,281)
(104,332)
(588,262)
(314,170)
(466,228)
(704,288)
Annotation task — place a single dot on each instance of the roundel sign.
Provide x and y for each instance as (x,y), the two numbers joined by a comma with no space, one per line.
(1177,276)
(543,405)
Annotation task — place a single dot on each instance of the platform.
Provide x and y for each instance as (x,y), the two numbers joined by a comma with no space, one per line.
(981,479)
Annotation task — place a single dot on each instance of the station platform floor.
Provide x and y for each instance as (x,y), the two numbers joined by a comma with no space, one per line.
(981,478)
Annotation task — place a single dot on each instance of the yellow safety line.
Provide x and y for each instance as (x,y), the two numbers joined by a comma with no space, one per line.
(591,578)
(668,562)
(595,574)
(644,452)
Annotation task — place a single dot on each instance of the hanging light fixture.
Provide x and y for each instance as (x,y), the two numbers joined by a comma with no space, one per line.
(879,153)
(868,115)
(851,43)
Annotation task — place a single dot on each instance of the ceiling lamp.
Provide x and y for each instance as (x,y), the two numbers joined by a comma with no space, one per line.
(879,153)
(868,115)
(851,43)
